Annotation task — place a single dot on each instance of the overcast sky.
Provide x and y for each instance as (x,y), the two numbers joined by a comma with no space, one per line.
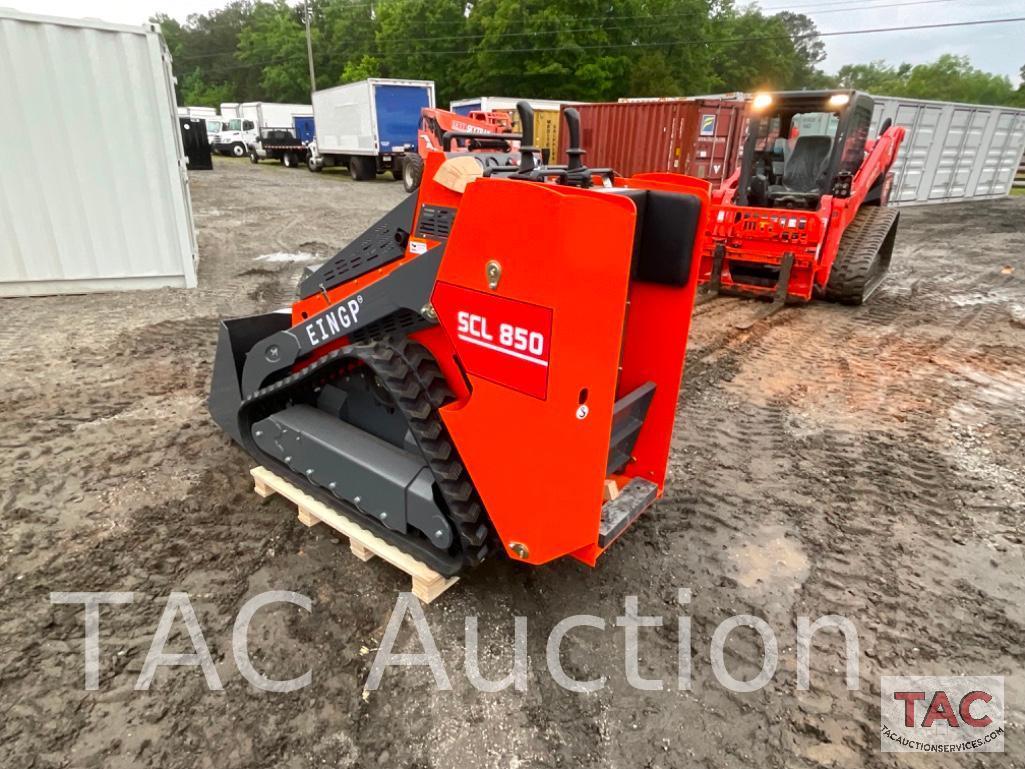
(996,48)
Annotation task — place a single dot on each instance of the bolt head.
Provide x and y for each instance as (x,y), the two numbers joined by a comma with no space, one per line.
(519,549)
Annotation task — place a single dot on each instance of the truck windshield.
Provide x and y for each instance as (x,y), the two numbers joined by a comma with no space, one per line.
(235,124)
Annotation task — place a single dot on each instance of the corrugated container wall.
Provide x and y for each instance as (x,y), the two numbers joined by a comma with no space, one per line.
(697,137)
(546,129)
(952,151)
(93,189)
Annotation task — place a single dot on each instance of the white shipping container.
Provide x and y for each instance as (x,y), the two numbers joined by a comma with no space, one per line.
(87,204)
(952,151)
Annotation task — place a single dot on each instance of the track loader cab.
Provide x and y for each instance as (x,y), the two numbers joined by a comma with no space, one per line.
(494,365)
(809,171)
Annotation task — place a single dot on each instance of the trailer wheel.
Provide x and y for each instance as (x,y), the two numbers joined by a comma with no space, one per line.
(313,165)
(253,158)
(863,258)
(412,172)
(238,149)
(363,168)
(289,160)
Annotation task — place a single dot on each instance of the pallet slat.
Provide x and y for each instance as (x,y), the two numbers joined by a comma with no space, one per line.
(427,583)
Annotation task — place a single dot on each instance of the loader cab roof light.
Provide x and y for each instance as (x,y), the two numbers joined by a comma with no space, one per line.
(762,101)
(838,100)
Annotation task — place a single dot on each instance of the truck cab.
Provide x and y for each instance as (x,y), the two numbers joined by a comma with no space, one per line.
(234,137)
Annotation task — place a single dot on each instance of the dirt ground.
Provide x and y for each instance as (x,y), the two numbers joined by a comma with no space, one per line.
(861,462)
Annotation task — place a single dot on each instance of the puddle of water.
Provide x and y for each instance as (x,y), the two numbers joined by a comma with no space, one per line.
(773,561)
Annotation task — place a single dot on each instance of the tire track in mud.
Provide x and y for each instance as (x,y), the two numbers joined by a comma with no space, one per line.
(863,489)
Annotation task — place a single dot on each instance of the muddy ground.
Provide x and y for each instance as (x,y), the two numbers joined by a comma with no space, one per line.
(862,462)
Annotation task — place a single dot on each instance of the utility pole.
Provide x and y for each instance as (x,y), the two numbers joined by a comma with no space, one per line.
(309,50)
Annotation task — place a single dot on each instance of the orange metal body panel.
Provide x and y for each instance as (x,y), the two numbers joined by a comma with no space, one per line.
(539,469)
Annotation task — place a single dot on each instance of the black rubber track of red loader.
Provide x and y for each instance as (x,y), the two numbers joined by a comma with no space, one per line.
(863,258)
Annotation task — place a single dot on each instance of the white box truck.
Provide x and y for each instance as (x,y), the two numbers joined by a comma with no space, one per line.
(200,112)
(254,117)
(368,126)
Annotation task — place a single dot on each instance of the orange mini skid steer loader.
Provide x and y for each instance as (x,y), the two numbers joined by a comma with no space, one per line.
(475,132)
(805,213)
(474,370)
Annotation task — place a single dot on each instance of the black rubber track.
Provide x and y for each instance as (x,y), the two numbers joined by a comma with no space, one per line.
(863,258)
(410,374)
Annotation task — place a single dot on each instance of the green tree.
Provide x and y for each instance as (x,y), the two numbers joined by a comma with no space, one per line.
(751,52)
(366,67)
(809,52)
(875,77)
(423,40)
(347,30)
(207,43)
(953,78)
(274,42)
(949,78)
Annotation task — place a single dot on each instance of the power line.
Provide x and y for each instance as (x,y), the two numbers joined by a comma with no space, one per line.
(706,41)
(605,28)
(693,41)
(848,9)
(748,6)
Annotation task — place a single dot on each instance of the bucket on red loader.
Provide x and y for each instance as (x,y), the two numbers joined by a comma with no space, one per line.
(805,215)
(460,381)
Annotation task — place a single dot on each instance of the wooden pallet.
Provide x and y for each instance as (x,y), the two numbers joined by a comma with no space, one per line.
(427,583)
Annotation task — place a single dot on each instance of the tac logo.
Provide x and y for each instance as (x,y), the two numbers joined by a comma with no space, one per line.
(942,714)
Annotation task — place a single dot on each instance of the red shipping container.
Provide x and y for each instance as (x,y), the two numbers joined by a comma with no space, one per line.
(697,137)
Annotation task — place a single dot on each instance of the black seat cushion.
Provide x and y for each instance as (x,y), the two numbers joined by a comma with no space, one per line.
(803,172)
(667,226)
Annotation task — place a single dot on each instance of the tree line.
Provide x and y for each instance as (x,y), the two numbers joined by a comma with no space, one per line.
(587,50)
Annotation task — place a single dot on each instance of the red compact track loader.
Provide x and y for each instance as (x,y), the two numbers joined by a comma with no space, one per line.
(475,132)
(805,213)
(495,364)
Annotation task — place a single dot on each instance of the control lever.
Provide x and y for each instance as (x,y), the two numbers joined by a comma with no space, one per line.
(527,148)
(574,152)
